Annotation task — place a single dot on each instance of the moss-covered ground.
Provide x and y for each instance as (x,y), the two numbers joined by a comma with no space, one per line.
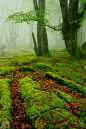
(42,92)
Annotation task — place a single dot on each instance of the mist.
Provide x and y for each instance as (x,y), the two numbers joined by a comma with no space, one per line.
(23,31)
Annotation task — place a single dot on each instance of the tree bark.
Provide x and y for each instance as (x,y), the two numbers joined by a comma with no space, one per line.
(70,30)
(35,44)
(42,39)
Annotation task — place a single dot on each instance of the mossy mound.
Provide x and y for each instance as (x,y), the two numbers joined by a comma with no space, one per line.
(45,109)
(26,68)
(69,83)
(5,101)
(65,96)
(4,70)
(22,60)
(41,65)
(58,119)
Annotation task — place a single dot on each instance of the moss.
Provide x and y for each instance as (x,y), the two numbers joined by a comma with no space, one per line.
(31,58)
(26,68)
(61,116)
(39,100)
(5,101)
(21,60)
(7,69)
(69,83)
(41,65)
(3,83)
(65,96)
(40,104)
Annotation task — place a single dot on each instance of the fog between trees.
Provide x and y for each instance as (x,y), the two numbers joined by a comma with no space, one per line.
(20,34)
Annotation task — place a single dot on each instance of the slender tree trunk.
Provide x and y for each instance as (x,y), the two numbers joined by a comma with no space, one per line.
(42,40)
(35,44)
(39,25)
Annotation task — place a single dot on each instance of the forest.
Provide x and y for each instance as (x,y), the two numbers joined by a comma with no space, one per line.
(43,64)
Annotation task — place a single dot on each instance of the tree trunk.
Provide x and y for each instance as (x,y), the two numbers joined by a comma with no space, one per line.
(35,44)
(73,47)
(70,30)
(46,51)
(39,25)
(42,40)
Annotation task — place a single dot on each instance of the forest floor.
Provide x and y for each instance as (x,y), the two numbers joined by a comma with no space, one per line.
(32,98)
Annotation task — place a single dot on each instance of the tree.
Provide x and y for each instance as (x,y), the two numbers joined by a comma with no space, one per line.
(72,17)
(42,40)
(69,31)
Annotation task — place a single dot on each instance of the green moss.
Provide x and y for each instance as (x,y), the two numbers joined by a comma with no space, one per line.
(39,101)
(4,83)
(21,60)
(7,69)
(59,115)
(69,83)
(5,101)
(65,96)
(26,68)
(41,65)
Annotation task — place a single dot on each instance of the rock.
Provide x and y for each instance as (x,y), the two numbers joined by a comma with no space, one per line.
(5,125)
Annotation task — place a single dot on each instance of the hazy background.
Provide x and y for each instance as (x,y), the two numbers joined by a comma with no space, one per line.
(22,31)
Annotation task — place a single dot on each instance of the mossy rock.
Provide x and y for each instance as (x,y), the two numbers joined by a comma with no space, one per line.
(26,68)
(22,60)
(65,96)
(7,69)
(31,58)
(5,101)
(41,65)
(58,119)
(69,83)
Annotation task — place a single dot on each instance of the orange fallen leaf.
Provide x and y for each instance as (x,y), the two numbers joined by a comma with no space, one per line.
(40,121)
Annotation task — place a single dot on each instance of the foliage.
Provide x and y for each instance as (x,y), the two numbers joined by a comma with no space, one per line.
(20,17)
